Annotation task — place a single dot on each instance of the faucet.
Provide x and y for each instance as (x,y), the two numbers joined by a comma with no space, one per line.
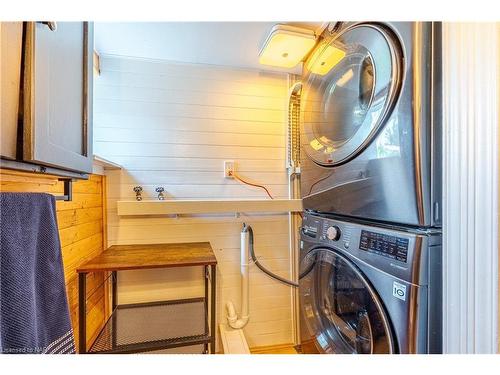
(160,191)
(138,190)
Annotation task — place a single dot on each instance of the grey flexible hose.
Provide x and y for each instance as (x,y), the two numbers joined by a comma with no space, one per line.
(248,228)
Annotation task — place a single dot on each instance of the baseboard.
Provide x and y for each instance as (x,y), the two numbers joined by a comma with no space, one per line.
(274,349)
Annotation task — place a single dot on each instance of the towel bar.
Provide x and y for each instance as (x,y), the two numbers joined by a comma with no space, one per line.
(68,191)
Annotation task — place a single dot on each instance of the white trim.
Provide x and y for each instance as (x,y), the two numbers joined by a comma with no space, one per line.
(205,206)
(106,164)
(470,190)
(265,68)
(293,219)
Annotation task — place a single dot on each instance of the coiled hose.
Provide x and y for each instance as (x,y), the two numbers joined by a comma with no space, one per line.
(258,264)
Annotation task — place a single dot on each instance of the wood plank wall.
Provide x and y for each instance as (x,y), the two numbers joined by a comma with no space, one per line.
(82,232)
(173,125)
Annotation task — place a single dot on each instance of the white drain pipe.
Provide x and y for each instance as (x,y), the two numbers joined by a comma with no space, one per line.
(232,317)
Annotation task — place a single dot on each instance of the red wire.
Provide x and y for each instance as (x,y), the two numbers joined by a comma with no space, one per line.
(256,185)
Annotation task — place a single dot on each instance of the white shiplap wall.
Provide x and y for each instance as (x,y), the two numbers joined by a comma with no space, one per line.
(471,91)
(173,125)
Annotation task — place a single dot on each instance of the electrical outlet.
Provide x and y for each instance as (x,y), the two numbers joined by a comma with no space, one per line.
(228,168)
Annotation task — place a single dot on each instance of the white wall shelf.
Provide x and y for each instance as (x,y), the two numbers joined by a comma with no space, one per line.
(105,163)
(100,165)
(197,206)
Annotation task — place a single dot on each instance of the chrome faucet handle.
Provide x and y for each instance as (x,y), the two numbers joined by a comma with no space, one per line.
(138,191)
(160,191)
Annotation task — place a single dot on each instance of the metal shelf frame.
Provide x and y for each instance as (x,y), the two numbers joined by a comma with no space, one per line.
(101,344)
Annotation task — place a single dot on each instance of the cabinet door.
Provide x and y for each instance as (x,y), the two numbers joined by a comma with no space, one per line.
(58,94)
(10,72)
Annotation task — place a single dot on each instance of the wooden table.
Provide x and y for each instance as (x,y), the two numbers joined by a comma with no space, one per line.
(136,257)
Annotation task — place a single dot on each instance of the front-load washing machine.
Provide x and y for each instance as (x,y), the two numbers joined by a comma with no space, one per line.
(370,123)
(367,289)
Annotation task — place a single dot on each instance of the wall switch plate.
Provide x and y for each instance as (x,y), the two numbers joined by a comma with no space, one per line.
(228,168)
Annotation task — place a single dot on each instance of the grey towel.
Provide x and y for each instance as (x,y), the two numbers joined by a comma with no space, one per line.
(34,314)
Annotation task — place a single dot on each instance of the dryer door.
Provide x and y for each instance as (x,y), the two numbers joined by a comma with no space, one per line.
(351,84)
(340,310)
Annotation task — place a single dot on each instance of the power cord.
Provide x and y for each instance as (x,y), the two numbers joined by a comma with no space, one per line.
(252,184)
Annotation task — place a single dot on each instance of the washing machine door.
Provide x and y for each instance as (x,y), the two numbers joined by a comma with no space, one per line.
(340,310)
(351,84)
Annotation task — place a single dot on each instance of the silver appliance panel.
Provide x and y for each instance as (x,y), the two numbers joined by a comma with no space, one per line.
(409,263)
(410,294)
(370,128)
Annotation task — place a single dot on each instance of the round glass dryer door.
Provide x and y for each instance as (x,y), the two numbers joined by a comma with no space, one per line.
(341,311)
(350,87)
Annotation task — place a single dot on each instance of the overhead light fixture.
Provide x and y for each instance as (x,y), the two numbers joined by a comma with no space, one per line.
(286,46)
(323,60)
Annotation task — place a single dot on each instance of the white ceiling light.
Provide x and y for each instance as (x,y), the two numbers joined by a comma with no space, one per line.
(286,46)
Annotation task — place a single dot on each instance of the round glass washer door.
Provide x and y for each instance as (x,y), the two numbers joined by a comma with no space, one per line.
(351,84)
(342,312)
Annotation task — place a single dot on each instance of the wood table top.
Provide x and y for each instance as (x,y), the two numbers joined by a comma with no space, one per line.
(134,257)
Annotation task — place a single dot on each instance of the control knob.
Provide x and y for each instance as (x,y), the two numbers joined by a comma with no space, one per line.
(333,233)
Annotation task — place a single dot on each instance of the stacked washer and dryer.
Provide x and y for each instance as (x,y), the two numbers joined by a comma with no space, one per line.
(370,249)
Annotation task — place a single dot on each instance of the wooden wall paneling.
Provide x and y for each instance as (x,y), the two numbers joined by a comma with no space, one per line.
(82,231)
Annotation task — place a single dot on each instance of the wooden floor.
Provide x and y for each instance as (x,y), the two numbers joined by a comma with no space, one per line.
(277,349)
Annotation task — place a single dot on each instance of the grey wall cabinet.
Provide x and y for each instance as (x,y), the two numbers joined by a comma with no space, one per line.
(57,95)
(11,37)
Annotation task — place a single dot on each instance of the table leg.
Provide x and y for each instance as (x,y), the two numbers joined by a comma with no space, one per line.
(82,313)
(212,308)
(114,297)
(206,276)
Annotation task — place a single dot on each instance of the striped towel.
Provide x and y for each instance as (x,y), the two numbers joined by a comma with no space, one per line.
(34,314)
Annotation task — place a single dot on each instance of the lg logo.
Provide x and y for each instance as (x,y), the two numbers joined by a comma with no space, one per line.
(399,290)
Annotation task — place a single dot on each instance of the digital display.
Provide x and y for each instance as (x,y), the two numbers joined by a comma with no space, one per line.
(383,244)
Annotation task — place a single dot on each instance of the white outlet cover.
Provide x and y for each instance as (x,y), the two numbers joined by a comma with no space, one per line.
(228,168)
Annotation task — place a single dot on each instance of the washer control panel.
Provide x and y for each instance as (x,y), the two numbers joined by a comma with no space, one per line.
(331,232)
(393,247)
(358,239)
(397,252)
(323,230)
(309,231)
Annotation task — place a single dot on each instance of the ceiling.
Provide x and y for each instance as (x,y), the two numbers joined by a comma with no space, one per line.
(234,44)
